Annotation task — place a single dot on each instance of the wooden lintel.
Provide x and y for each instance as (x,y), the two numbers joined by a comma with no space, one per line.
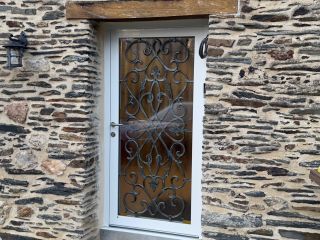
(148,9)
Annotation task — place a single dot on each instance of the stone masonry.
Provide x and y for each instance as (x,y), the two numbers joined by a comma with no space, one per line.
(48,145)
(262,123)
(261,126)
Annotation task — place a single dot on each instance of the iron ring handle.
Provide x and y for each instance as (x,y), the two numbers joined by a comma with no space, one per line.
(203,49)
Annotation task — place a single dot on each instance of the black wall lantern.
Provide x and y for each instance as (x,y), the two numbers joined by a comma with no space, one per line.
(15,49)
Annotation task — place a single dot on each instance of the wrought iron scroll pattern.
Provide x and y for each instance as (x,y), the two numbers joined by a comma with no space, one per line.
(155,127)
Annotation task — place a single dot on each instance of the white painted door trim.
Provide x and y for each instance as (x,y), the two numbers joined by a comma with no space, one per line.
(111,102)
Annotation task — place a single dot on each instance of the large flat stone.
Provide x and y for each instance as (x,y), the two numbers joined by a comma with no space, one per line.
(26,160)
(17,112)
(36,64)
(7,236)
(55,167)
(225,220)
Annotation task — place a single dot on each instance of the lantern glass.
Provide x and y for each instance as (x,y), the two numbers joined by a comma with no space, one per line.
(14,57)
(14,53)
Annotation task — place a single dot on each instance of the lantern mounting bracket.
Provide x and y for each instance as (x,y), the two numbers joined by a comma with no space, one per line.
(20,41)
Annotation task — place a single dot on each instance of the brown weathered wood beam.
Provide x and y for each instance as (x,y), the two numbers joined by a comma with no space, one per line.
(148,9)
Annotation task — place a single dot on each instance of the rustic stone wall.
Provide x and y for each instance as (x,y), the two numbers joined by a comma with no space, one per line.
(262,124)
(48,146)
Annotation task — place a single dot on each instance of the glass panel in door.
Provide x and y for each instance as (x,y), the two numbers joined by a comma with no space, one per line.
(155,157)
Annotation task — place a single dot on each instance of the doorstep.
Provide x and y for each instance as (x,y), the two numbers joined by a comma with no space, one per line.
(117,235)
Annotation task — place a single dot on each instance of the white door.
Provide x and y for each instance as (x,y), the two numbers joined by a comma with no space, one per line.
(155,128)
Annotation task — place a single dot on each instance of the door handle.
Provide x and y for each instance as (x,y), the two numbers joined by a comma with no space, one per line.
(113,124)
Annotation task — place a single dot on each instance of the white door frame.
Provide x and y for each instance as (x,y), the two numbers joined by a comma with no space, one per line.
(111,91)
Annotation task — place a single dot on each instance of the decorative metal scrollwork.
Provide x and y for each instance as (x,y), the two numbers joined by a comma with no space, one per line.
(157,118)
